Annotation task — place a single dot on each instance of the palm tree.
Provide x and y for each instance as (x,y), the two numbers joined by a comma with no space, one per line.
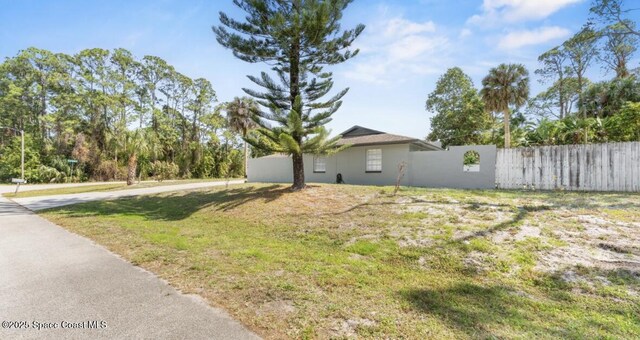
(505,85)
(112,142)
(136,144)
(240,113)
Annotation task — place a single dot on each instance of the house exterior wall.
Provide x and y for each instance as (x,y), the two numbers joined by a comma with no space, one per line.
(270,169)
(351,163)
(322,177)
(445,169)
(436,169)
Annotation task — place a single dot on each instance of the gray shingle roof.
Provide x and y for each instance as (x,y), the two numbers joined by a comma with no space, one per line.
(359,136)
(380,138)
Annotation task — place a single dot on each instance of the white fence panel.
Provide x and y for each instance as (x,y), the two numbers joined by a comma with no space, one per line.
(590,167)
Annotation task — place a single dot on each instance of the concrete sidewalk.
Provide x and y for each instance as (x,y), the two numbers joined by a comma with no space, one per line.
(46,202)
(51,276)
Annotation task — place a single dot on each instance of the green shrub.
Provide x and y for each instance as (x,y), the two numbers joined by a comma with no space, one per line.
(106,171)
(624,126)
(10,160)
(47,174)
(471,158)
(164,170)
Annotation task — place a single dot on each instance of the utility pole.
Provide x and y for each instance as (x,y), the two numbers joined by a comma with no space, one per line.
(22,155)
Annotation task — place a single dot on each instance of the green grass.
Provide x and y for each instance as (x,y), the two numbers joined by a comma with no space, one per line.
(344,261)
(101,187)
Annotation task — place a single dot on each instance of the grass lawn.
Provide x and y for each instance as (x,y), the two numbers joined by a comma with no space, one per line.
(104,187)
(345,261)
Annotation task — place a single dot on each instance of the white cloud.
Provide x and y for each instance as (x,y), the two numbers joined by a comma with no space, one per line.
(401,27)
(393,48)
(517,39)
(413,46)
(465,32)
(500,11)
(368,71)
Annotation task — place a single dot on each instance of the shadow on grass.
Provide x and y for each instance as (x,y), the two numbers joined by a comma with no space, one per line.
(514,221)
(616,273)
(488,312)
(475,310)
(175,206)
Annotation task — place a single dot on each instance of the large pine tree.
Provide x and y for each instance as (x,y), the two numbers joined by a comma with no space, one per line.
(297,38)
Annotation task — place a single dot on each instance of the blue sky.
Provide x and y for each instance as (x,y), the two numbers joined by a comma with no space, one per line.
(406,46)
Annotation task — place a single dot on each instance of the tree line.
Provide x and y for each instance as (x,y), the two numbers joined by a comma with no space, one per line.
(571,110)
(118,116)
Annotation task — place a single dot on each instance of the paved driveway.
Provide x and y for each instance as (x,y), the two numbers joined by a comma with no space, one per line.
(51,277)
(45,202)
(28,187)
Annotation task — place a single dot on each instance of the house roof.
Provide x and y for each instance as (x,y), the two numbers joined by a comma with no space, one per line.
(360,136)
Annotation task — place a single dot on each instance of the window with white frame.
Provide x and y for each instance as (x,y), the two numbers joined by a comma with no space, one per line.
(319,164)
(374,160)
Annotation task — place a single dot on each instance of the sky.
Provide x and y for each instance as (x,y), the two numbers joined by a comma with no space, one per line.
(406,46)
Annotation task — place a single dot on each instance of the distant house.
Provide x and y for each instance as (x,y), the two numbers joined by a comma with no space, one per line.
(373,158)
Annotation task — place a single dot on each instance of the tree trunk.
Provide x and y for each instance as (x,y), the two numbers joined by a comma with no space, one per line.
(132,166)
(294,92)
(115,176)
(493,127)
(298,172)
(507,129)
(561,96)
(582,110)
(246,158)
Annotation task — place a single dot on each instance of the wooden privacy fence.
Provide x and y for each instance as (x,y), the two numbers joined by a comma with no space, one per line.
(593,167)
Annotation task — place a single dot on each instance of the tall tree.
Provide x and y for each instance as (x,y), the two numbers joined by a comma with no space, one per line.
(460,117)
(94,82)
(122,77)
(618,48)
(506,85)
(240,114)
(557,101)
(44,66)
(554,68)
(581,49)
(65,105)
(614,12)
(198,107)
(154,71)
(19,95)
(298,39)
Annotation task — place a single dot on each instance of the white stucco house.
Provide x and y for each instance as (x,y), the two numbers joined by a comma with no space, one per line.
(373,158)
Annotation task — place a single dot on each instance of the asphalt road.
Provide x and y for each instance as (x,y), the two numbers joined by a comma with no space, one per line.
(55,279)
